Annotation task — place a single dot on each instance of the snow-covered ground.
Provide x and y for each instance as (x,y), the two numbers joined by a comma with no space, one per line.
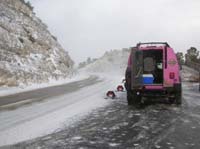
(45,117)
(120,126)
(112,62)
(38,119)
(116,125)
(188,73)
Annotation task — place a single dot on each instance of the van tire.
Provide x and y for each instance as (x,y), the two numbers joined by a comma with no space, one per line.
(178,94)
(178,99)
(129,98)
(132,98)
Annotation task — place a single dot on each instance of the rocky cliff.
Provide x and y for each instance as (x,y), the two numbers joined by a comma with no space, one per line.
(28,52)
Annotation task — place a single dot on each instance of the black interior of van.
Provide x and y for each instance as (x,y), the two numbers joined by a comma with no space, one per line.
(153,64)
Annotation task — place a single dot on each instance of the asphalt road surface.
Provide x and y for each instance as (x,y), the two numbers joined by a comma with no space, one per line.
(44,111)
(46,93)
(155,125)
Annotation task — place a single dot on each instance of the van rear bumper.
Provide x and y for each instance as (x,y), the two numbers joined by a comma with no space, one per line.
(165,92)
(158,92)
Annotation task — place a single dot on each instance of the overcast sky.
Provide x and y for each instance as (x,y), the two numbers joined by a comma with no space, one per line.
(88,28)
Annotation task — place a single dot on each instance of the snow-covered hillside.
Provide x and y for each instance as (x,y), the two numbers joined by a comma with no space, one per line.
(28,52)
(114,61)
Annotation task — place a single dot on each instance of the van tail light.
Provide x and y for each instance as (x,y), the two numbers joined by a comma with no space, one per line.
(171,75)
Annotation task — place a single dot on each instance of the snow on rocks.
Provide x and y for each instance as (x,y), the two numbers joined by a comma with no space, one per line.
(28,52)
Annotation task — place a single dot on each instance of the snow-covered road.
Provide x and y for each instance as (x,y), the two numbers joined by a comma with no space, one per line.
(52,109)
(117,125)
(82,118)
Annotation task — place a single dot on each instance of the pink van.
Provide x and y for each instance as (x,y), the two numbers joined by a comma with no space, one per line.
(153,71)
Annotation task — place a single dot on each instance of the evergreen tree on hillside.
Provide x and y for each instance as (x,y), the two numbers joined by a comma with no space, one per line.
(192,55)
(180,57)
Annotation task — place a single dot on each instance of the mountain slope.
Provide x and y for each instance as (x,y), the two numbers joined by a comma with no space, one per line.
(28,52)
(114,61)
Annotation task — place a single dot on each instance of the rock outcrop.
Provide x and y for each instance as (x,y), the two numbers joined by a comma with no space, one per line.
(28,52)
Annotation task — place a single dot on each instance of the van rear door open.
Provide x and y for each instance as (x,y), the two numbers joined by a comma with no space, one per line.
(137,68)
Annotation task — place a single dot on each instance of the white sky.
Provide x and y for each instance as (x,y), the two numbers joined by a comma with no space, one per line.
(88,28)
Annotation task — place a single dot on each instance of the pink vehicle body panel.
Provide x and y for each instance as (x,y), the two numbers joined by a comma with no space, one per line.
(170,65)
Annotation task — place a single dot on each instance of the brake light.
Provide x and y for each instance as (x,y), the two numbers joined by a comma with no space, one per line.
(171,75)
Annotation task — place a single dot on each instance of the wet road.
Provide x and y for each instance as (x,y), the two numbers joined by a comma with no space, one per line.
(46,93)
(117,125)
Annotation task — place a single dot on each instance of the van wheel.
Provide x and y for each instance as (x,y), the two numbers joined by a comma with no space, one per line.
(132,98)
(172,100)
(129,98)
(178,94)
(178,98)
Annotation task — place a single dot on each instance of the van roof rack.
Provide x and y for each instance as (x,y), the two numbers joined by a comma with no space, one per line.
(153,43)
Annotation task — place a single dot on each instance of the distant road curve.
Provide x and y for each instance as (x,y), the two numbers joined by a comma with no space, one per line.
(45,93)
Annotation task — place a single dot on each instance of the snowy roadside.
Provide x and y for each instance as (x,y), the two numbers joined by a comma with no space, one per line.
(188,74)
(4,91)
